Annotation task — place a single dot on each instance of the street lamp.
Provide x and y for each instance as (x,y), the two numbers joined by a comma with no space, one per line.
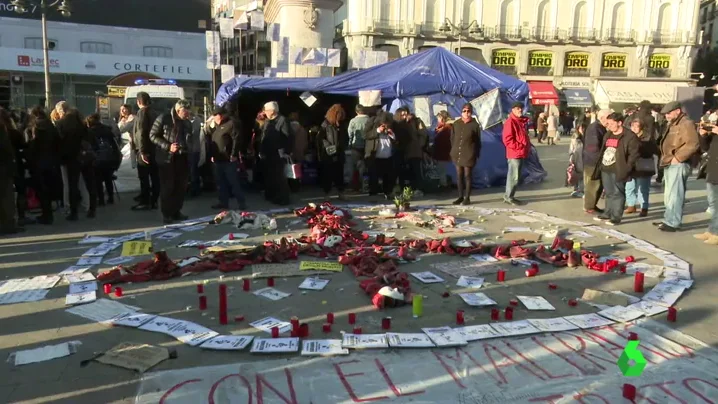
(473,28)
(63,6)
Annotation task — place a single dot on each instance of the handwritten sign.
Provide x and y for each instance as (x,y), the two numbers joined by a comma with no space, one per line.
(134,248)
(321,266)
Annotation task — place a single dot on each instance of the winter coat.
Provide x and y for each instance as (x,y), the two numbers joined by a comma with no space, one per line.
(646,150)
(442,143)
(225,141)
(465,142)
(680,142)
(331,135)
(592,143)
(626,156)
(276,134)
(709,144)
(516,138)
(167,129)
(43,141)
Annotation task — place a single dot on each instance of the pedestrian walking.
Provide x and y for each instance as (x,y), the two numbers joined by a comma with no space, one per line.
(518,145)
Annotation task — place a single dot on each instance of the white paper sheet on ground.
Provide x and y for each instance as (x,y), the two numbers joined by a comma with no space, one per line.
(653,250)
(664,294)
(427,277)
(26,289)
(188,261)
(552,324)
(323,347)
(536,303)
(81,287)
(101,310)
(477,332)
(160,324)
(471,230)
(193,228)
(476,299)
(677,273)
(72,299)
(80,278)
(227,342)
(525,219)
(444,336)
(409,340)
(651,271)
(193,243)
(84,261)
(118,260)
(683,283)
(512,328)
(579,234)
(190,333)
(101,250)
(461,243)
(94,240)
(75,269)
(631,299)
(364,341)
(130,319)
(584,321)
(524,261)
(271,293)
(266,324)
(517,229)
(237,236)
(470,282)
(275,345)
(134,236)
(45,353)
(483,258)
(158,231)
(621,314)
(314,284)
(672,261)
(648,308)
(169,235)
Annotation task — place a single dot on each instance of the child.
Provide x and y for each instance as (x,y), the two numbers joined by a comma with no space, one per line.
(575,159)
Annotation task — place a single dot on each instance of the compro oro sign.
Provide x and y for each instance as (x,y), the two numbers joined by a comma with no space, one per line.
(614,64)
(504,60)
(659,65)
(577,64)
(540,63)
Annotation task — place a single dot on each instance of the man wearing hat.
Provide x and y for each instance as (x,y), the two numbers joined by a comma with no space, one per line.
(679,145)
(224,153)
(516,139)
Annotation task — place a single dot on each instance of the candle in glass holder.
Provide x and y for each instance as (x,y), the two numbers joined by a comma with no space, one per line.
(203,302)
(245,285)
(352,318)
(638,282)
(459,317)
(200,288)
(327,328)
(357,331)
(509,313)
(501,275)
(330,318)
(304,330)
(107,288)
(270,282)
(386,323)
(672,313)
(632,336)
(118,291)
(494,314)
(629,391)
(275,332)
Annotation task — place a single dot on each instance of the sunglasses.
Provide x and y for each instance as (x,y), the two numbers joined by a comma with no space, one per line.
(466,110)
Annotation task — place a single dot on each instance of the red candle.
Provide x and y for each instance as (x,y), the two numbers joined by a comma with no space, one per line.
(629,391)
(494,314)
(357,331)
(295,323)
(459,317)
(107,288)
(245,285)
(552,286)
(294,333)
(501,275)
(572,302)
(200,288)
(672,313)
(638,282)
(275,332)
(203,302)
(352,318)
(509,313)
(530,273)
(514,302)
(238,319)
(303,330)
(386,323)
(223,304)
(327,328)
(118,291)
(330,318)
(270,282)
(632,336)
(231,236)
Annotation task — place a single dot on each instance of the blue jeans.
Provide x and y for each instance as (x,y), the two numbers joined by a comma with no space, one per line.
(637,191)
(675,177)
(615,196)
(194,177)
(512,177)
(713,195)
(228,180)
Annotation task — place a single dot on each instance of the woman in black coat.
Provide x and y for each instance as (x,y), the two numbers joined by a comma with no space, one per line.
(18,146)
(77,155)
(465,151)
(43,141)
(107,157)
(331,144)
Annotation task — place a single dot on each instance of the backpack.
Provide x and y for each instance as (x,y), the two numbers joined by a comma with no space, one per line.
(106,155)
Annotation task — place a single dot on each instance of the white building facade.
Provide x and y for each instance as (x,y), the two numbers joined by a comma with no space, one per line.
(84,58)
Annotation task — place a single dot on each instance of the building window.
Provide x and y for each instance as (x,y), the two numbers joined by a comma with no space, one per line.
(96,47)
(157,52)
(36,43)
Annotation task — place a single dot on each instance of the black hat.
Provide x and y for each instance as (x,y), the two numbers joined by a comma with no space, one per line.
(219,110)
(517,104)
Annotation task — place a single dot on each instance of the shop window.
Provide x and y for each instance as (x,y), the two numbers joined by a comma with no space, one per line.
(96,47)
(157,52)
(36,43)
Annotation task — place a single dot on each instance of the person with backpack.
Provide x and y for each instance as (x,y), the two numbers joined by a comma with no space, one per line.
(107,157)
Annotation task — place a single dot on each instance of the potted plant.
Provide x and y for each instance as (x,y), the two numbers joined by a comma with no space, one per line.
(398,203)
(406,197)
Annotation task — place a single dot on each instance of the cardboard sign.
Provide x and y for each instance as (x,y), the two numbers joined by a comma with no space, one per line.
(138,357)
(135,248)
(321,266)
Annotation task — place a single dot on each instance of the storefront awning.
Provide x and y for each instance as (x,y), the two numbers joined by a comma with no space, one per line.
(578,97)
(633,92)
(542,93)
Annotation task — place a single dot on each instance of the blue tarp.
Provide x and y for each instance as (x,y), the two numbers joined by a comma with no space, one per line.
(436,73)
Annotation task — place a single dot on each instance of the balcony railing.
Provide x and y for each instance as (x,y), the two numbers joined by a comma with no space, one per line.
(545,34)
(507,32)
(433,28)
(389,26)
(668,37)
(619,35)
(578,34)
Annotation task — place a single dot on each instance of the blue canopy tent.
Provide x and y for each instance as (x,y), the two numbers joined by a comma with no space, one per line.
(437,74)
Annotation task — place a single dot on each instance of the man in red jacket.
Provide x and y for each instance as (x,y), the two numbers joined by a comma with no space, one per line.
(518,145)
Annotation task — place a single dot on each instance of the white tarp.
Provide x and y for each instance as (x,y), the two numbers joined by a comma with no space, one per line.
(632,92)
(566,367)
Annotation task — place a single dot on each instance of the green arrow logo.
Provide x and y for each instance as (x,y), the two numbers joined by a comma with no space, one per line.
(631,352)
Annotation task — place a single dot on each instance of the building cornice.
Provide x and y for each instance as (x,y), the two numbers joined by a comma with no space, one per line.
(272,8)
